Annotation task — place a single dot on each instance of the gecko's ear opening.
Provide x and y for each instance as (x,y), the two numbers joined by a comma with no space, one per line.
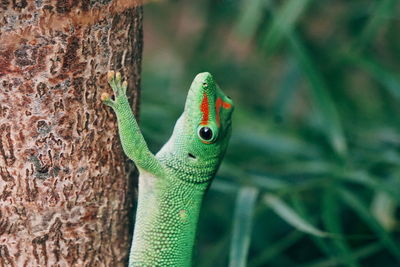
(191,156)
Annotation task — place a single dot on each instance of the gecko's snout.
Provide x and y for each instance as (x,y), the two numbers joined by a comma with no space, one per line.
(203,76)
(203,80)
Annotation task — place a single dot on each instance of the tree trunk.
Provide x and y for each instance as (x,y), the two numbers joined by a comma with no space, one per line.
(64,188)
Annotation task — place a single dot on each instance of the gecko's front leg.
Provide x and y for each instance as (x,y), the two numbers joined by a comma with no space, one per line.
(132,140)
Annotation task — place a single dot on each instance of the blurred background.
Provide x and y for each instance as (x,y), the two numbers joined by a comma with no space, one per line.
(311,176)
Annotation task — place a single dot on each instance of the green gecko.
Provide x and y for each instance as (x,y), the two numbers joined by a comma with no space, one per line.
(172,183)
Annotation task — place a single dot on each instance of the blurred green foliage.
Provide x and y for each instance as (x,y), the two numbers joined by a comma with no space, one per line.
(311,177)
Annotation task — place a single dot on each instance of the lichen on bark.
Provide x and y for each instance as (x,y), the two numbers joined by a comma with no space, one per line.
(64,188)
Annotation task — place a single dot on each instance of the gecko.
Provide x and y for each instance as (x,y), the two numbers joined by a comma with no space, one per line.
(172,183)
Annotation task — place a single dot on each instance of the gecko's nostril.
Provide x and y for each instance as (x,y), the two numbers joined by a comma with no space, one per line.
(191,156)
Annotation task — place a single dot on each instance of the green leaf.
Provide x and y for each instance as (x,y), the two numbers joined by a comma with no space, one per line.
(267,182)
(382,11)
(287,88)
(300,207)
(360,253)
(361,209)
(363,178)
(291,217)
(387,79)
(223,186)
(321,99)
(384,209)
(332,221)
(283,23)
(276,248)
(250,17)
(242,224)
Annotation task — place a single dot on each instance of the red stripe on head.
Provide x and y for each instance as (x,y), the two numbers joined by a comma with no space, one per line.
(204,109)
(226,105)
(218,104)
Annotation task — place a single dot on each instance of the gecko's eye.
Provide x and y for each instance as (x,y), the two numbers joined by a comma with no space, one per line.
(206,134)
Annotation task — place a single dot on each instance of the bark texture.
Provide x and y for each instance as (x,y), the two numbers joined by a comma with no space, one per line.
(64,188)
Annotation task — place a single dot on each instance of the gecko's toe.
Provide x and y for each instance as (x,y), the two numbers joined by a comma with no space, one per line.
(105,96)
(118,77)
(110,75)
(124,86)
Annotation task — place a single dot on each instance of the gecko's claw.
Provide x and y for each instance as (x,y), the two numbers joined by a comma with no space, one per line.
(110,76)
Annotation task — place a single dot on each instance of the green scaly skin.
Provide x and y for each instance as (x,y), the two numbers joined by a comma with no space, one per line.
(172,183)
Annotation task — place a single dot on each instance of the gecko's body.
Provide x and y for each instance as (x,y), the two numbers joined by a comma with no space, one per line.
(173,182)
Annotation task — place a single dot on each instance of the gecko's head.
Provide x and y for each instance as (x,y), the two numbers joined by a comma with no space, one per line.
(207,114)
(201,134)
(205,123)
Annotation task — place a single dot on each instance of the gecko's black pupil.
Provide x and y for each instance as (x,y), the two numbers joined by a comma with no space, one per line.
(206,133)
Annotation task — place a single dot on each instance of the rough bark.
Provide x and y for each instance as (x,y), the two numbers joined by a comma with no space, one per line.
(64,188)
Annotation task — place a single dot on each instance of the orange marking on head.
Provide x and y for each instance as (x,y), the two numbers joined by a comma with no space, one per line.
(218,104)
(204,109)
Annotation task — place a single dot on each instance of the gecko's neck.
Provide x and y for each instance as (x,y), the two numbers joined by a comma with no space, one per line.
(166,222)
(180,167)
(182,163)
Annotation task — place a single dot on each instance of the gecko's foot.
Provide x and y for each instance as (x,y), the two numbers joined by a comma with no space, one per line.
(119,89)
